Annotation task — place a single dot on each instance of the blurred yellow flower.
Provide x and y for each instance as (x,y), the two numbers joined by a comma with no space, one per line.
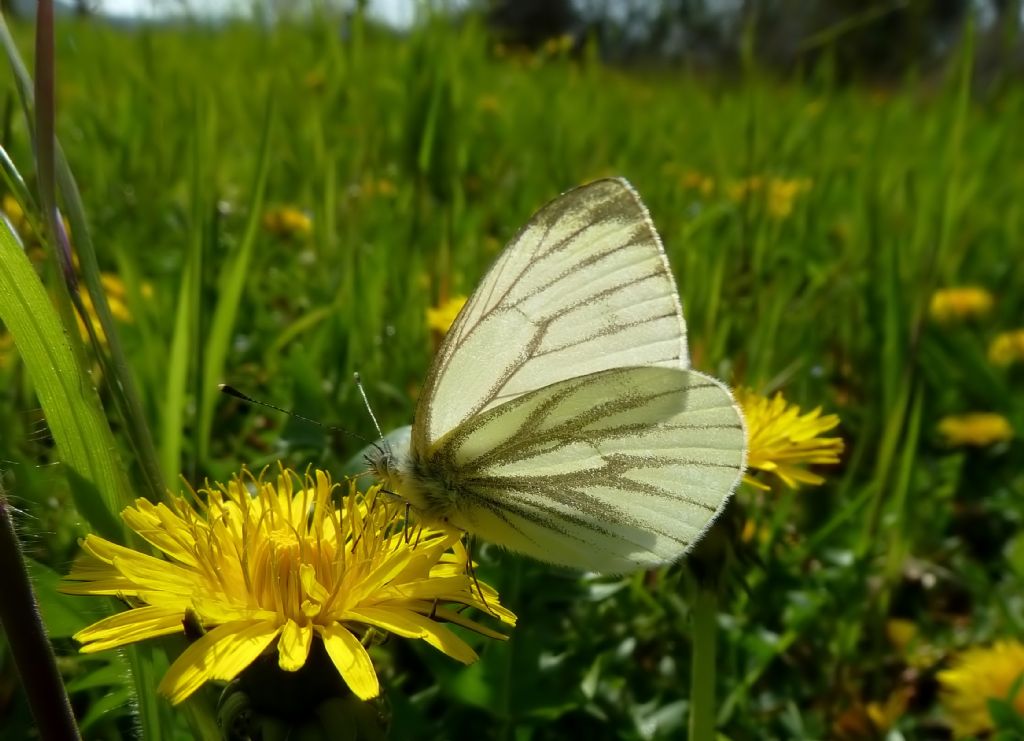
(978,429)
(698,181)
(782,195)
(963,302)
(116,293)
(1007,348)
(872,720)
(269,566)
(488,104)
(371,187)
(779,194)
(557,45)
(287,222)
(440,318)
(976,676)
(15,216)
(781,440)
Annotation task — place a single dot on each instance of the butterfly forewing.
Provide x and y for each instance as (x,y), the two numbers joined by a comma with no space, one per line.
(584,287)
(610,471)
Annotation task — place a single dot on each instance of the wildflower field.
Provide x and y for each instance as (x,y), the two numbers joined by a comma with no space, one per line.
(280,207)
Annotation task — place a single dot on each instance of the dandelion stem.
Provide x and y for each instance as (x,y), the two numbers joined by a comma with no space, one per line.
(23,625)
(704,612)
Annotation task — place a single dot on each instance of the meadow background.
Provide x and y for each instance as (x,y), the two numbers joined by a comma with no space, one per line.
(279,206)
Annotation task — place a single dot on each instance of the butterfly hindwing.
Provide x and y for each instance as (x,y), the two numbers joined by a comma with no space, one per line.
(610,471)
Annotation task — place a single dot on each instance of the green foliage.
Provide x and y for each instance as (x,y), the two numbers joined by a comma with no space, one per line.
(808,226)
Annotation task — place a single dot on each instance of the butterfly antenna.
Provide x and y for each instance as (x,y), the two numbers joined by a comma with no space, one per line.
(232,391)
(366,402)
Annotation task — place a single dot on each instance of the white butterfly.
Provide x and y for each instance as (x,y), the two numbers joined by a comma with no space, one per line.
(560,418)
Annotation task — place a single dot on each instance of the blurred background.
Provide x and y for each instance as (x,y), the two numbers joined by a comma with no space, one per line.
(867,39)
(281,194)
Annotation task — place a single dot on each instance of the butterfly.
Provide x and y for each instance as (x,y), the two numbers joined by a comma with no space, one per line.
(560,418)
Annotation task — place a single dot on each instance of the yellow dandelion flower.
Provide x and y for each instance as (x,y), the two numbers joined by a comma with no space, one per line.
(440,318)
(116,293)
(371,187)
(15,216)
(782,194)
(779,194)
(20,222)
(269,565)
(979,429)
(698,181)
(743,189)
(287,222)
(781,440)
(557,45)
(976,676)
(1007,348)
(963,302)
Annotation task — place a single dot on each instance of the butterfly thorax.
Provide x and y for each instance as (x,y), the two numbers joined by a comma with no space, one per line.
(421,481)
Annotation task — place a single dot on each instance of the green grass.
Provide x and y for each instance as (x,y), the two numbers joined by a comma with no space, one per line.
(177,136)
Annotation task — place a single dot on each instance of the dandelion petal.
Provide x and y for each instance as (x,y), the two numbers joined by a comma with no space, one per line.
(351,660)
(293,647)
(413,625)
(220,654)
(129,627)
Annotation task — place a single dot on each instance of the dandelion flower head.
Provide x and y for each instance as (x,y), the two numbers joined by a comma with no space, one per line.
(441,317)
(977,676)
(1007,348)
(978,429)
(272,564)
(781,440)
(287,222)
(961,302)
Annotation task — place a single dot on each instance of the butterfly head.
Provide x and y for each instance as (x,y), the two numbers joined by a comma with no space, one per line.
(385,458)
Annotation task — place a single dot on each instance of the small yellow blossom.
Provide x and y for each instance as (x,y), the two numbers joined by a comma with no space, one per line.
(558,45)
(269,566)
(693,180)
(371,187)
(1007,348)
(781,440)
(873,719)
(782,195)
(779,194)
(741,190)
(440,318)
(976,676)
(963,302)
(979,429)
(287,222)
(116,293)
(907,643)
(15,215)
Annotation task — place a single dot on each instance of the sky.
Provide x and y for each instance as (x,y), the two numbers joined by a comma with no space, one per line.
(397,13)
